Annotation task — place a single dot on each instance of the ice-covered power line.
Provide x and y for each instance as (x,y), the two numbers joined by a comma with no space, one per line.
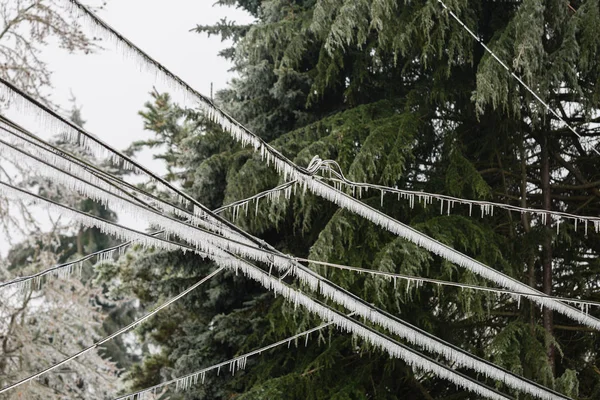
(269,194)
(315,282)
(447,203)
(112,336)
(239,362)
(587,145)
(287,169)
(307,180)
(419,280)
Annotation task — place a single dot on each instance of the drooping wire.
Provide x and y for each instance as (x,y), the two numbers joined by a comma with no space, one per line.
(517,77)
(418,280)
(240,362)
(486,207)
(112,336)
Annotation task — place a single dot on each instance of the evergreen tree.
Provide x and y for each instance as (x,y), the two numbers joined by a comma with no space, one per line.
(401,95)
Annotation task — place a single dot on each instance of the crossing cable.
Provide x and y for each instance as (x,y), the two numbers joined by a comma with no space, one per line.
(574,313)
(290,170)
(186,381)
(112,336)
(234,262)
(341,296)
(106,254)
(418,280)
(518,78)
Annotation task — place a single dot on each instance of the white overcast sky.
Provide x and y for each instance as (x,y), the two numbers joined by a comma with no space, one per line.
(112,89)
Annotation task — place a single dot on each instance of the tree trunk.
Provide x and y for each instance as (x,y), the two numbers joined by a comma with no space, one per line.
(530,261)
(547,246)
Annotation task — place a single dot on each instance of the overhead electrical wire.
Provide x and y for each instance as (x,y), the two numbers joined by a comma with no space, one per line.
(304,176)
(419,280)
(245,202)
(586,144)
(316,282)
(113,335)
(447,203)
(239,362)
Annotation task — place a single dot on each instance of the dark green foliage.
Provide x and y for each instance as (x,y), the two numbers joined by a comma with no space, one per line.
(398,94)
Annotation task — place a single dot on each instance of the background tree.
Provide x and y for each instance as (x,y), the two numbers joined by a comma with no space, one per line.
(41,326)
(26,26)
